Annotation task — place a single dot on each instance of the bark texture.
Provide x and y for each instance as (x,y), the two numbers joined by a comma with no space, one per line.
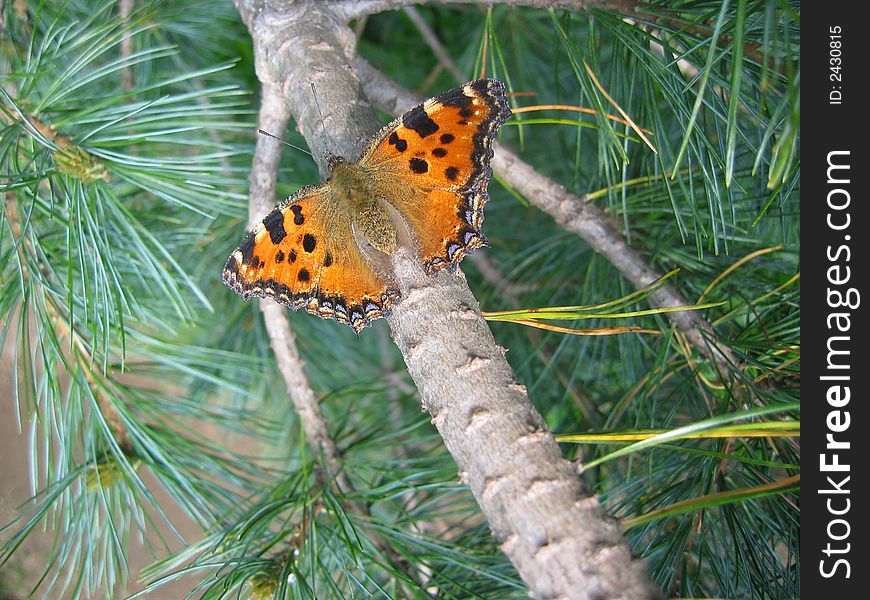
(354,9)
(554,531)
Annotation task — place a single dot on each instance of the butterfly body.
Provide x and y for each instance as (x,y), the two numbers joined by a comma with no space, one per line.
(366,198)
(421,181)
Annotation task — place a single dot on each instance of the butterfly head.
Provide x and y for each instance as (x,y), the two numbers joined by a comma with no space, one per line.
(334,162)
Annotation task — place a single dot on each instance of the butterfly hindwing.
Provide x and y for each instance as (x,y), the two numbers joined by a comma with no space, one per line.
(302,255)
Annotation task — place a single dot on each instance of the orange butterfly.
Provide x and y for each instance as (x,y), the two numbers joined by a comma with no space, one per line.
(421,181)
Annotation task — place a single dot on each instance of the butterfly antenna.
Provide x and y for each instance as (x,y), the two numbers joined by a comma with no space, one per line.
(329,155)
(285,142)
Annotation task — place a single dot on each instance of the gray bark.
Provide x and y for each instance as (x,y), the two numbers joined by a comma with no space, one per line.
(354,9)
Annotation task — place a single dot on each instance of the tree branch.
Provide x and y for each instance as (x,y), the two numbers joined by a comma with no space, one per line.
(354,9)
(549,525)
(574,213)
(125,8)
(588,220)
(552,529)
(444,59)
(274,116)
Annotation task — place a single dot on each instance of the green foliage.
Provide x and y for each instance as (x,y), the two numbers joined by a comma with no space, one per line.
(147,387)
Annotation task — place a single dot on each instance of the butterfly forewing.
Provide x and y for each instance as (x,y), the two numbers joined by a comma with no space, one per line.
(440,152)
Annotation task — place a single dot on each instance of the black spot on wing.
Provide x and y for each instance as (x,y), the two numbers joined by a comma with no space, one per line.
(309,242)
(298,219)
(451,173)
(446,138)
(418,165)
(417,120)
(327,261)
(274,224)
(439,152)
(279,256)
(303,274)
(455,97)
(400,144)
(292,256)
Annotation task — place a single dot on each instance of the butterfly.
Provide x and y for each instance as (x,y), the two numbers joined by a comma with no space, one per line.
(421,181)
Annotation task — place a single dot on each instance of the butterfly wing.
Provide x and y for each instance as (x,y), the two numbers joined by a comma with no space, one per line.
(302,254)
(431,165)
(437,154)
